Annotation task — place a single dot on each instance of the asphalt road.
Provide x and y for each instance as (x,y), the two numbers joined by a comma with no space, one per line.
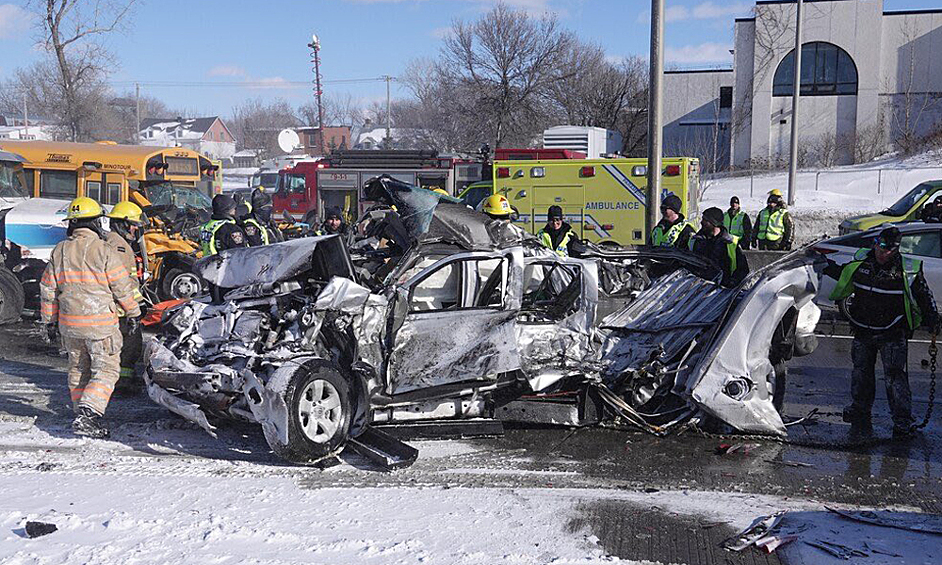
(33,396)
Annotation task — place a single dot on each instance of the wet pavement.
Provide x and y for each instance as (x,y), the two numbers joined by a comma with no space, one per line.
(33,393)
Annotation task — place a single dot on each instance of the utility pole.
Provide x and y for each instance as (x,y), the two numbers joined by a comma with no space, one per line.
(388,120)
(315,46)
(653,192)
(796,94)
(137,112)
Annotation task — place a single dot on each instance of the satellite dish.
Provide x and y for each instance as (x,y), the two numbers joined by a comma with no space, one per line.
(288,140)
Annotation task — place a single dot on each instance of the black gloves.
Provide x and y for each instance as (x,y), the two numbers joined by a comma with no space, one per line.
(134,324)
(52,333)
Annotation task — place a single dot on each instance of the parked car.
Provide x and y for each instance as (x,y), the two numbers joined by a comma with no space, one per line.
(921,240)
(906,209)
(459,316)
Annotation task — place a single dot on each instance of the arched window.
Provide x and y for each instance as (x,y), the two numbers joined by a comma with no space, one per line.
(826,70)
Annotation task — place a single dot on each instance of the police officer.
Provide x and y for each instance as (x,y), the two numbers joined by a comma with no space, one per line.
(125,221)
(81,291)
(720,247)
(737,223)
(221,232)
(556,235)
(890,299)
(774,229)
(262,210)
(673,230)
(497,207)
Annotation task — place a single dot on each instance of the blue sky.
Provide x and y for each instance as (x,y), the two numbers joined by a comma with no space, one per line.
(263,43)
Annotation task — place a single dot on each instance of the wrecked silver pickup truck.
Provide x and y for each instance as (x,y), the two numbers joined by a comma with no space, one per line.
(456,316)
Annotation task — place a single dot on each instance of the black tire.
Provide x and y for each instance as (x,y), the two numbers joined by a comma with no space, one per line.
(12,297)
(309,439)
(180,283)
(780,376)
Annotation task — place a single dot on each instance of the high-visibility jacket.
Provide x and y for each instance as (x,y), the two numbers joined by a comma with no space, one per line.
(83,287)
(208,235)
(668,238)
(255,231)
(128,259)
(911,268)
(562,249)
(770,226)
(734,224)
(730,250)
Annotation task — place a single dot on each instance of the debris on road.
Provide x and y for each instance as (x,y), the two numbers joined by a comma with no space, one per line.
(914,522)
(38,529)
(760,528)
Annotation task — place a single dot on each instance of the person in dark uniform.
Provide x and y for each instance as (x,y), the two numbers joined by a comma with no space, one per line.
(717,245)
(890,299)
(557,234)
(673,230)
(222,232)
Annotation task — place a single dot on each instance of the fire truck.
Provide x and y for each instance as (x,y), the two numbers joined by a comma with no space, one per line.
(309,188)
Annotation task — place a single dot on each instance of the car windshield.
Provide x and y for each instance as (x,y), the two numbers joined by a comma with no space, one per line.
(12,181)
(906,203)
(180,196)
(267,180)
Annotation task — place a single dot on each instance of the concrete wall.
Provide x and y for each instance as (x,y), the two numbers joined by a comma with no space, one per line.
(743,75)
(694,123)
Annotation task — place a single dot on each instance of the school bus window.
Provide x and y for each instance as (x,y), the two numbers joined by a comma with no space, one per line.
(93,190)
(12,182)
(58,184)
(114,193)
(182,166)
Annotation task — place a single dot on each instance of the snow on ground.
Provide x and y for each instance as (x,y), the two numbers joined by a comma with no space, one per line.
(824,198)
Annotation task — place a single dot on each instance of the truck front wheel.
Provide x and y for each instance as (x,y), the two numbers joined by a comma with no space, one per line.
(12,297)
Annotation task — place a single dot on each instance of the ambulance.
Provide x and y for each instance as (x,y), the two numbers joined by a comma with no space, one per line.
(603,199)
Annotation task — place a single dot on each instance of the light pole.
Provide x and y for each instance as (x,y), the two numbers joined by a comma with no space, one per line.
(315,46)
(796,95)
(653,193)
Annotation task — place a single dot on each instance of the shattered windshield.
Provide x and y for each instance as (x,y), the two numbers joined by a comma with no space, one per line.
(906,203)
(12,180)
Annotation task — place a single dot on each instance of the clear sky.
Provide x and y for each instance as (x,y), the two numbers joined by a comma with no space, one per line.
(264,43)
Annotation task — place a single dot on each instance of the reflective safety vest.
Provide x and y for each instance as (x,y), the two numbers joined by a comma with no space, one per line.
(734,225)
(911,268)
(661,239)
(208,235)
(771,226)
(562,249)
(260,227)
(730,251)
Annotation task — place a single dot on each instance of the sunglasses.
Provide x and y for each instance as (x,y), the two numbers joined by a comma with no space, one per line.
(887,245)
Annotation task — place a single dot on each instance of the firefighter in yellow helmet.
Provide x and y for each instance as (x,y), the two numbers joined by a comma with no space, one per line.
(440,191)
(82,290)
(497,207)
(774,229)
(126,221)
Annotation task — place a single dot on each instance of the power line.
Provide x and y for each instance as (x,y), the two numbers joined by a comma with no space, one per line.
(243,84)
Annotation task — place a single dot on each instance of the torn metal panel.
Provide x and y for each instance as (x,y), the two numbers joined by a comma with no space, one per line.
(733,382)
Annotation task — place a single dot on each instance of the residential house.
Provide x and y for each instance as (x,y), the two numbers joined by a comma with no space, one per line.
(209,136)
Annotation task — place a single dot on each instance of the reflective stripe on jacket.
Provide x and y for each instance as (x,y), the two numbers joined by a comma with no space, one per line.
(128,258)
(562,249)
(734,225)
(911,268)
(669,239)
(730,251)
(84,286)
(771,226)
(263,233)
(208,235)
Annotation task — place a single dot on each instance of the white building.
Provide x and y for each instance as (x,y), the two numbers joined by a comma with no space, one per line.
(209,136)
(28,133)
(870,78)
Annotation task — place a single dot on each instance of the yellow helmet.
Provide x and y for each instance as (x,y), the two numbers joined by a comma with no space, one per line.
(126,210)
(83,208)
(775,192)
(497,205)
(441,191)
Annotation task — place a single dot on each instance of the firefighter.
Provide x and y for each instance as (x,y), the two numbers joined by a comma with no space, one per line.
(497,207)
(673,230)
(556,235)
(737,223)
(221,232)
(890,300)
(125,221)
(774,229)
(720,247)
(81,291)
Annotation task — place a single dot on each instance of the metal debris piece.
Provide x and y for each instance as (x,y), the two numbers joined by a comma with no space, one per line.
(912,521)
(760,528)
(836,549)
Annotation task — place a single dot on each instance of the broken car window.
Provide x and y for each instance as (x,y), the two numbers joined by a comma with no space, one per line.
(463,284)
(551,291)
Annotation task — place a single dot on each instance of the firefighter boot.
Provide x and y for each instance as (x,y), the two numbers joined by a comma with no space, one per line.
(87,423)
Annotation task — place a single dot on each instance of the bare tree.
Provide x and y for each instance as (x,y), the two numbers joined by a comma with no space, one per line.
(507,60)
(339,109)
(256,124)
(71,31)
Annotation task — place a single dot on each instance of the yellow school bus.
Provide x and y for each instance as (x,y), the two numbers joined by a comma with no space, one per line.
(603,199)
(106,172)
